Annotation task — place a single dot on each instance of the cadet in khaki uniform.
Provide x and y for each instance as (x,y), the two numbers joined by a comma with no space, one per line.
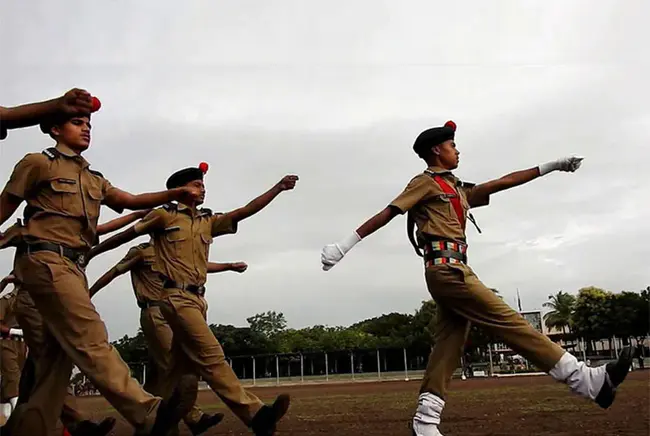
(148,289)
(31,322)
(63,197)
(437,203)
(73,102)
(12,352)
(183,236)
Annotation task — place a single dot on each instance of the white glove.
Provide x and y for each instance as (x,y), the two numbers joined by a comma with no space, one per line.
(332,253)
(16,332)
(568,164)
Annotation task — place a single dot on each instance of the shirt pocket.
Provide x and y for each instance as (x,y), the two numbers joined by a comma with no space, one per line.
(206,242)
(95,198)
(175,238)
(65,196)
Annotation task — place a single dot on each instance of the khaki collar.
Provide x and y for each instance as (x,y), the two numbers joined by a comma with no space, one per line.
(439,170)
(66,151)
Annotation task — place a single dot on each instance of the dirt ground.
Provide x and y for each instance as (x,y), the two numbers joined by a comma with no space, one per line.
(507,406)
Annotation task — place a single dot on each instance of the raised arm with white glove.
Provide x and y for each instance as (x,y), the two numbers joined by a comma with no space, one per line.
(333,253)
(568,164)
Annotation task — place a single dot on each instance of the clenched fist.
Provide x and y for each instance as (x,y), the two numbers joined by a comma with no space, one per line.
(75,101)
(287,183)
(567,164)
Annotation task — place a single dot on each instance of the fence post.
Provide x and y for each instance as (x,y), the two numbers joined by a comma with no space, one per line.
(406,369)
(302,369)
(277,370)
(378,365)
(352,363)
(327,372)
(254,371)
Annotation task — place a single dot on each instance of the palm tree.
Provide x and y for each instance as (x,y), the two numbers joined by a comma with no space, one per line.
(561,306)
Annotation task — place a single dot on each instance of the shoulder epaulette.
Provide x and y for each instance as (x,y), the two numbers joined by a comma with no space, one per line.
(466,184)
(206,212)
(170,206)
(52,153)
(97,173)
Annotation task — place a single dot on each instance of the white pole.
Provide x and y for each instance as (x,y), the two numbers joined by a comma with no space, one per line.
(327,373)
(406,370)
(253,370)
(144,373)
(277,370)
(352,363)
(584,351)
(615,346)
(302,370)
(378,365)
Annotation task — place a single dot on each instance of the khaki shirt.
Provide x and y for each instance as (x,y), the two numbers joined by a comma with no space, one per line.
(140,260)
(182,239)
(63,197)
(433,213)
(7,304)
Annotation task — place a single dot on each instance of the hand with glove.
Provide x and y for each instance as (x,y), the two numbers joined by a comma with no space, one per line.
(567,164)
(333,253)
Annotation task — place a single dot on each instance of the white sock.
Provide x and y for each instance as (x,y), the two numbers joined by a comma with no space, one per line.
(582,379)
(13,401)
(427,415)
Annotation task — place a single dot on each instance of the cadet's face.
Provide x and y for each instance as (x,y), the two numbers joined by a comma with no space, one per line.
(448,155)
(199,184)
(75,133)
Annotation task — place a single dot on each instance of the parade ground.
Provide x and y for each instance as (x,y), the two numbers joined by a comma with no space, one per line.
(523,406)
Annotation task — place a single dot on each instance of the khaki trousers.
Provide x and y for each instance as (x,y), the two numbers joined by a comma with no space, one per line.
(31,321)
(73,333)
(158,335)
(198,352)
(12,359)
(461,300)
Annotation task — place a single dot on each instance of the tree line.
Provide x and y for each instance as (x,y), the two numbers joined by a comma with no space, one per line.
(592,314)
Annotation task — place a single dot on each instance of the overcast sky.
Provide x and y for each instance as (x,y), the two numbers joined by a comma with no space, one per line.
(336,92)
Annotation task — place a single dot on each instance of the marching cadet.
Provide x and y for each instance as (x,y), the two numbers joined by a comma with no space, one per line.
(148,289)
(437,203)
(12,352)
(31,323)
(63,197)
(183,235)
(76,101)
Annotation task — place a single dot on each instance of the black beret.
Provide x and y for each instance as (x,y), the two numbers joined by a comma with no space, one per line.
(434,136)
(187,175)
(58,119)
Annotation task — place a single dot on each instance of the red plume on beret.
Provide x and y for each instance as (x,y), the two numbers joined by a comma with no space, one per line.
(451,124)
(96,104)
(203,166)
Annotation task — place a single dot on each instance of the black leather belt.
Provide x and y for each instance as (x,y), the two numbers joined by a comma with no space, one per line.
(195,289)
(441,252)
(76,256)
(145,304)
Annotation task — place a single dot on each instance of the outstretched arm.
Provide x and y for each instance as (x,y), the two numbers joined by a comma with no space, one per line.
(482,191)
(259,203)
(214,267)
(418,189)
(118,200)
(72,102)
(120,222)
(153,221)
(130,261)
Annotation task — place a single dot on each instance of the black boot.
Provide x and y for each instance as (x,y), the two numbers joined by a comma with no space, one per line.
(205,423)
(173,409)
(89,428)
(615,374)
(266,419)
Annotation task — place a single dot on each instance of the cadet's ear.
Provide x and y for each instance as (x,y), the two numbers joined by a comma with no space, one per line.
(55,131)
(435,150)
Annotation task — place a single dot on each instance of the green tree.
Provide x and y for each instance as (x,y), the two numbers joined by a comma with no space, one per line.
(562,305)
(268,324)
(592,317)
